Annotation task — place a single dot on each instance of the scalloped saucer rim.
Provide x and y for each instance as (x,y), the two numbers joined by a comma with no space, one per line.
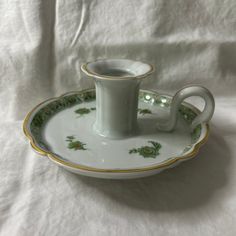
(150,98)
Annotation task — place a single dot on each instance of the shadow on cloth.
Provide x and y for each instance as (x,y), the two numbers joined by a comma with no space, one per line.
(192,184)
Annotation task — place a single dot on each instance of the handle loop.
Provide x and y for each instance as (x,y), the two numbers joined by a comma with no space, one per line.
(182,94)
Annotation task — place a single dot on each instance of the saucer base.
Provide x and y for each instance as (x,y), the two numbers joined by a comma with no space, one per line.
(62,129)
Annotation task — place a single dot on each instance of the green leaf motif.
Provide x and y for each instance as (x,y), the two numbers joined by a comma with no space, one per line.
(148,151)
(196,133)
(187,114)
(144,111)
(75,144)
(88,96)
(84,110)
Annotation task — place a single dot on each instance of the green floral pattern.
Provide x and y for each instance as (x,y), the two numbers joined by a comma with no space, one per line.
(84,110)
(75,144)
(144,111)
(148,151)
(187,148)
(188,114)
(54,106)
(195,135)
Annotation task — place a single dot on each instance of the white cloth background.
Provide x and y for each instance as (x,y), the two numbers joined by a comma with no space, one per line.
(42,44)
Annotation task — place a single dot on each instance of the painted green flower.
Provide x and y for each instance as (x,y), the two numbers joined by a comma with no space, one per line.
(75,144)
(148,151)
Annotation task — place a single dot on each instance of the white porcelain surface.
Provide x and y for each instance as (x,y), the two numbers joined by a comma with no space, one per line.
(106,158)
(117,104)
(117,86)
(189,91)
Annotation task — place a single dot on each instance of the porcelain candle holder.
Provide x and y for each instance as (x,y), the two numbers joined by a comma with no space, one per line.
(117,84)
(117,88)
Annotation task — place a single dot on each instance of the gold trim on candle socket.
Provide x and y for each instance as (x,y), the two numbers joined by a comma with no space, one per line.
(88,72)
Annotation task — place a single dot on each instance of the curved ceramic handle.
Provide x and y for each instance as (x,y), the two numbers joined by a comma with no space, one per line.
(182,94)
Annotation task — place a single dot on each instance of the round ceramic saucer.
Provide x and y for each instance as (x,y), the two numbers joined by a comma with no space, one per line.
(61,129)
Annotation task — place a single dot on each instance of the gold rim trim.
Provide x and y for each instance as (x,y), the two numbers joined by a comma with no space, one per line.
(53,157)
(90,73)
